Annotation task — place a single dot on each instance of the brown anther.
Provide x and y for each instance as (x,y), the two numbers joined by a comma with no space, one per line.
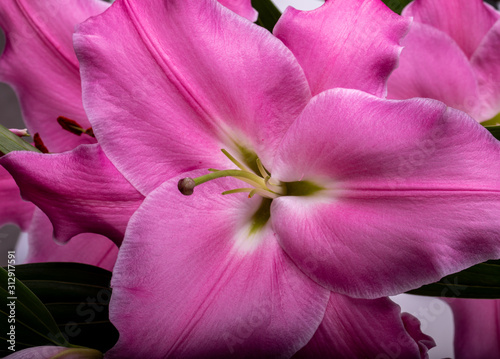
(90,132)
(186,186)
(39,143)
(70,125)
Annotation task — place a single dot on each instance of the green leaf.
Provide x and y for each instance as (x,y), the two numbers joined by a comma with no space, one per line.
(481,281)
(10,142)
(495,131)
(20,307)
(397,5)
(268,13)
(77,295)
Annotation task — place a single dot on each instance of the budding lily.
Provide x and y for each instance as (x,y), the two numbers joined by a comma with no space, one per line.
(19,132)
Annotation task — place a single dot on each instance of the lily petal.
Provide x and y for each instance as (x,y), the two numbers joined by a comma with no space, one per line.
(241,7)
(423,73)
(486,64)
(12,207)
(361,328)
(412,193)
(200,74)
(477,328)
(84,248)
(345,43)
(466,21)
(238,296)
(39,62)
(92,196)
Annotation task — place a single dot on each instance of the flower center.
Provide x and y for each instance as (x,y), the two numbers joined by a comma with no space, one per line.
(259,178)
(261,182)
(256,175)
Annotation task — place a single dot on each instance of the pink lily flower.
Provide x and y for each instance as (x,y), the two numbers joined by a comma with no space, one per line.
(39,62)
(382,196)
(451,54)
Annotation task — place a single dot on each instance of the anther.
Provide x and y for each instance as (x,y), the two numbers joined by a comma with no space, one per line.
(186,186)
(74,127)
(39,143)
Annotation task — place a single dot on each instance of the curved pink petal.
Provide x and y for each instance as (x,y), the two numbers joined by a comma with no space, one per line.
(87,248)
(412,326)
(412,193)
(80,191)
(241,7)
(433,66)
(216,291)
(486,64)
(477,328)
(51,352)
(345,43)
(12,207)
(199,75)
(466,21)
(39,62)
(361,328)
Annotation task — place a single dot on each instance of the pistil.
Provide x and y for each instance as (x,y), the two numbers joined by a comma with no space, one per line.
(261,185)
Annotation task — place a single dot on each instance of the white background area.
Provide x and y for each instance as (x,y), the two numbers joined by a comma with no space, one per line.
(434,315)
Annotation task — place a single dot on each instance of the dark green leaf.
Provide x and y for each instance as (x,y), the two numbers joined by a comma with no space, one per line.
(397,5)
(77,296)
(495,131)
(33,323)
(268,13)
(10,142)
(479,281)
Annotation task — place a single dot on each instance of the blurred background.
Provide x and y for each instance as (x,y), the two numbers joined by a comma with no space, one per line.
(434,314)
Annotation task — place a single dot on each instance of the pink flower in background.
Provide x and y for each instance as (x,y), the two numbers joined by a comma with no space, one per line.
(452,54)
(39,62)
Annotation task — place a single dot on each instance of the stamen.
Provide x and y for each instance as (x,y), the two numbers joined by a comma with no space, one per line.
(252,193)
(74,127)
(90,132)
(238,190)
(39,143)
(234,160)
(262,170)
(242,175)
(70,125)
(260,184)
